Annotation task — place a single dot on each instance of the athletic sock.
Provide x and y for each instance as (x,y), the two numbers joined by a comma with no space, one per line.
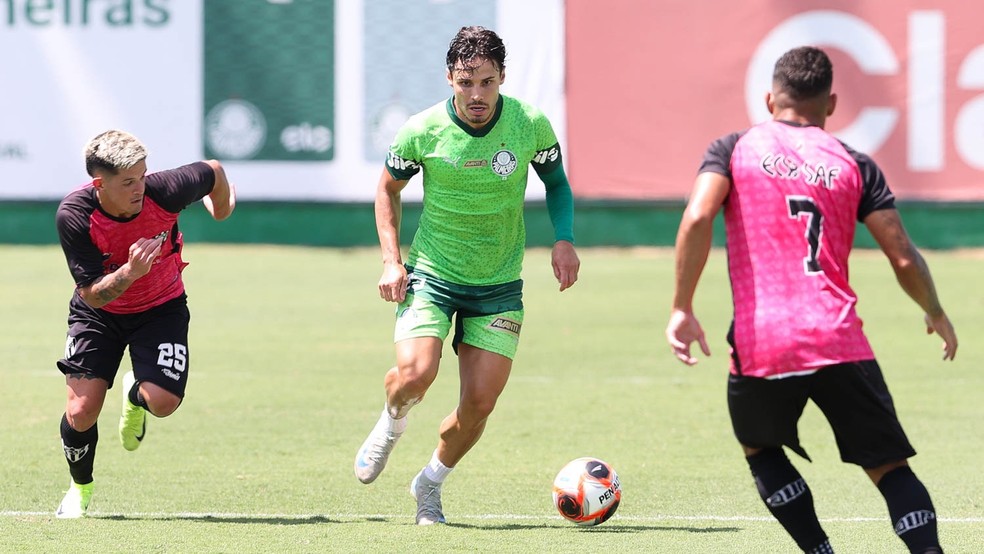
(398,413)
(788,498)
(911,510)
(136,398)
(435,470)
(80,450)
(395,425)
(822,548)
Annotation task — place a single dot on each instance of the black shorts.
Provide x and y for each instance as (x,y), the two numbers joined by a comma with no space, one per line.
(853,397)
(157,339)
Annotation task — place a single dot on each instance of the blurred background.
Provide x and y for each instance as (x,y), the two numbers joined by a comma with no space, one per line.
(300,99)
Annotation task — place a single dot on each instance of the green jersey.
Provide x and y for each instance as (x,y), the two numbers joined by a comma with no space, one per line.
(471,230)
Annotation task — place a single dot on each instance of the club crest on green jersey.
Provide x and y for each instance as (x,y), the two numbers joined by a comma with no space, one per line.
(504,163)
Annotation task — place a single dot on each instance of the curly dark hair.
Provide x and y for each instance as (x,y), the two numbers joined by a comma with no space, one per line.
(476,42)
(804,73)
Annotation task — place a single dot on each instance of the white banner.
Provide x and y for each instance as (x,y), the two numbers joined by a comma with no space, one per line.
(74,68)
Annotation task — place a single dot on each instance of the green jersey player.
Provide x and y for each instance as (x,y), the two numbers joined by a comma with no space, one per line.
(464,264)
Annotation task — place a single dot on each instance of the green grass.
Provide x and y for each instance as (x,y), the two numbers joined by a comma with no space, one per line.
(289,348)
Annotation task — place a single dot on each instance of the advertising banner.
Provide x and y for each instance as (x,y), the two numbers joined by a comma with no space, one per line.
(400,82)
(269,80)
(298,98)
(658,81)
(74,68)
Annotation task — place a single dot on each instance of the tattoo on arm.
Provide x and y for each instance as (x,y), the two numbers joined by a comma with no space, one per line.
(80,377)
(111,287)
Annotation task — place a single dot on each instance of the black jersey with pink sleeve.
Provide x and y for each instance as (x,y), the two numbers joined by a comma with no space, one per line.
(96,243)
(790,216)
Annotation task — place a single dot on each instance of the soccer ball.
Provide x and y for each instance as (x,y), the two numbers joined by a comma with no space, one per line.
(587,491)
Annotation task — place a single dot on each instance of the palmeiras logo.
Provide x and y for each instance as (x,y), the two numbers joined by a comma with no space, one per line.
(504,163)
(235,129)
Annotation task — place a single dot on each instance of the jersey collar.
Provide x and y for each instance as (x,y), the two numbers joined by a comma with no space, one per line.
(796,124)
(482,131)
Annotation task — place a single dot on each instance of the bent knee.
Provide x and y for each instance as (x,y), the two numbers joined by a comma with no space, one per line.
(876,473)
(163,409)
(160,402)
(82,415)
(477,409)
(415,379)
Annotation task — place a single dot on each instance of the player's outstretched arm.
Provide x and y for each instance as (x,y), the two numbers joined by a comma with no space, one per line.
(912,273)
(222,200)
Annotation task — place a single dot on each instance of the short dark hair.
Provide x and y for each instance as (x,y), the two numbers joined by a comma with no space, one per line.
(803,73)
(476,42)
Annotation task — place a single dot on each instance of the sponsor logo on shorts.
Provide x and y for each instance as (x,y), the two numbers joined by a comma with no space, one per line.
(506,324)
(407,313)
(173,375)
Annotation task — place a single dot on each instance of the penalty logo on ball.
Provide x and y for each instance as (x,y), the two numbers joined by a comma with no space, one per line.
(587,491)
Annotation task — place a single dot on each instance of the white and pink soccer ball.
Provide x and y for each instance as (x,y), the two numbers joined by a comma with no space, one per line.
(587,491)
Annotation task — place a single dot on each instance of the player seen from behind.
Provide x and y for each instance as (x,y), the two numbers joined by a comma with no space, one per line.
(792,194)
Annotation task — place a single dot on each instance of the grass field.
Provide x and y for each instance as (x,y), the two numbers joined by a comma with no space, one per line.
(289,348)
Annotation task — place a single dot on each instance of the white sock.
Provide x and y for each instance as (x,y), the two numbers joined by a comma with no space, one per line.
(402,411)
(396,426)
(435,470)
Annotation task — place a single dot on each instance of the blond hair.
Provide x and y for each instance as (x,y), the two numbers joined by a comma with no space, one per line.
(112,151)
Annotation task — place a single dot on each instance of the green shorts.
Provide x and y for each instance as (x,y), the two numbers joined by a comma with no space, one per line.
(488,317)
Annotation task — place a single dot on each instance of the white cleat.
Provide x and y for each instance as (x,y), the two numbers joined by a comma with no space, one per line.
(427,493)
(375,451)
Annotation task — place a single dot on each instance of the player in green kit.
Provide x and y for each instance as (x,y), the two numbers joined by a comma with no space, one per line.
(465,260)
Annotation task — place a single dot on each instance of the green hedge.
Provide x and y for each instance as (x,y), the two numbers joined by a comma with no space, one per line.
(932,225)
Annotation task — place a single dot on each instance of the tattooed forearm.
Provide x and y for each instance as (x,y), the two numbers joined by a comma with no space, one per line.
(111,287)
(106,289)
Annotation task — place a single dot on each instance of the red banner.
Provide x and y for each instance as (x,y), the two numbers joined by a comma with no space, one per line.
(651,84)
